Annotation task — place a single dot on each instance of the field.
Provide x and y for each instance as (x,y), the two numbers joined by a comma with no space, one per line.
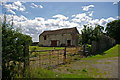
(104,65)
(45,48)
(98,66)
(53,56)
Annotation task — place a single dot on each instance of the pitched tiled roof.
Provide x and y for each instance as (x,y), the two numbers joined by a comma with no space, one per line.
(60,31)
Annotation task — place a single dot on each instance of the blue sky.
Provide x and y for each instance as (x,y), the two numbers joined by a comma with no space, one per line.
(35,17)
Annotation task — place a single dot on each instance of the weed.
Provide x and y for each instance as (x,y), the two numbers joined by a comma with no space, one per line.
(107,62)
(59,69)
(84,70)
(48,68)
(70,70)
(43,63)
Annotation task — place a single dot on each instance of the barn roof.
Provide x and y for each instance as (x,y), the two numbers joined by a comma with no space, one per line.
(60,31)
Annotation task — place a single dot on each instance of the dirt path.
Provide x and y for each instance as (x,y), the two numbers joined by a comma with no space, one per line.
(101,68)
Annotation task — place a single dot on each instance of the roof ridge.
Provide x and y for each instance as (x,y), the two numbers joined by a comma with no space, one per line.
(59,31)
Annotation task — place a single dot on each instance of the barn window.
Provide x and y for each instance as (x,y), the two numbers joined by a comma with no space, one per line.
(45,37)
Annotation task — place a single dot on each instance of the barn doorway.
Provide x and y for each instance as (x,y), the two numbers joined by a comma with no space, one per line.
(68,42)
(53,42)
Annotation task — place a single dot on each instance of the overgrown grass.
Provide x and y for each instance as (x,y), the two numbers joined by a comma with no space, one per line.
(45,73)
(37,72)
(74,76)
(45,48)
(112,52)
(83,73)
(37,48)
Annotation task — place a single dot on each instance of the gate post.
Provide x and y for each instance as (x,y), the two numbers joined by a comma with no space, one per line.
(64,61)
(26,56)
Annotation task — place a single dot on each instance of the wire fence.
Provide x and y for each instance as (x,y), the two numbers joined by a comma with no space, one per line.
(53,58)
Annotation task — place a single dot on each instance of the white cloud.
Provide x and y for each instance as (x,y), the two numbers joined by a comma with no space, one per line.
(26,12)
(18,3)
(33,5)
(118,17)
(91,13)
(86,8)
(83,19)
(11,11)
(11,6)
(14,6)
(115,3)
(41,6)
(62,17)
(22,8)
(33,27)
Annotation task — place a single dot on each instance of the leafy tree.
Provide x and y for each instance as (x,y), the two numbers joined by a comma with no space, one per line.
(113,30)
(98,30)
(13,45)
(86,34)
(89,34)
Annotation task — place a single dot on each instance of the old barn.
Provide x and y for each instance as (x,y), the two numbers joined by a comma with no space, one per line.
(60,37)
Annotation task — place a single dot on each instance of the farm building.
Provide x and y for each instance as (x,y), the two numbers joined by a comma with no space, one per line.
(103,44)
(60,37)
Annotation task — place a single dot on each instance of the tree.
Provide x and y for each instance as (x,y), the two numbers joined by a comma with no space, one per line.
(89,34)
(113,30)
(13,44)
(98,30)
(86,34)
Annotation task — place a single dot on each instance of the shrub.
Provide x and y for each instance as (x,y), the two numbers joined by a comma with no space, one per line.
(14,46)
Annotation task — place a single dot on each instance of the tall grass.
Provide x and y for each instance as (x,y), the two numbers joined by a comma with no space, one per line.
(112,52)
(45,48)
(37,72)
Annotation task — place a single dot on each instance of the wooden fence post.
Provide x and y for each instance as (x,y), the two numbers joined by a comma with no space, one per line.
(26,56)
(64,59)
(58,57)
(39,61)
(50,58)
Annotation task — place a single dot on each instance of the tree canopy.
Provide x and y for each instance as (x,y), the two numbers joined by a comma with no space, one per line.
(89,33)
(113,30)
(13,44)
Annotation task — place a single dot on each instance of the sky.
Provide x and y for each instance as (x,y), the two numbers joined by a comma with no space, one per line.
(35,17)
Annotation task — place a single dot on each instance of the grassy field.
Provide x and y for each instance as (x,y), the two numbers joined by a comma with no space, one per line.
(45,48)
(98,66)
(112,52)
(37,48)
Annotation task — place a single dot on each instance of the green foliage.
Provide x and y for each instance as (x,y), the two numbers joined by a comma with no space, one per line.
(98,30)
(112,52)
(89,34)
(84,70)
(83,75)
(45,48)
(86,34)
(38,72)
(113,30)
(13,47)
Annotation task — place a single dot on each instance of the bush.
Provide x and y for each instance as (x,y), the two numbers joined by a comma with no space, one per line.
(14,46)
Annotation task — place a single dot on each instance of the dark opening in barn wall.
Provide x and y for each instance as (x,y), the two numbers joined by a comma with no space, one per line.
(53,42)
(68,42)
